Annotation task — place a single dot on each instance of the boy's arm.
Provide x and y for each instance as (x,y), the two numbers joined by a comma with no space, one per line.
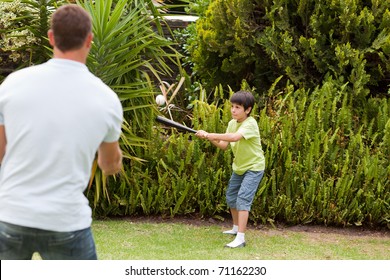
(220,144)
(220,140)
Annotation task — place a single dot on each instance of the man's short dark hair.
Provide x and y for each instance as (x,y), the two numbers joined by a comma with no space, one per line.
(243,98)
(71,25)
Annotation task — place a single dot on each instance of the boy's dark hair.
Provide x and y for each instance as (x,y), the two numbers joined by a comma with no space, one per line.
(71,25)
(243,98)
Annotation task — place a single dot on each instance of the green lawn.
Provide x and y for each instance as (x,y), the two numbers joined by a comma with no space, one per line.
(137,240)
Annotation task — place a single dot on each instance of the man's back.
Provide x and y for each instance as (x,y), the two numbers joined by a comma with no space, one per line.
(55,115)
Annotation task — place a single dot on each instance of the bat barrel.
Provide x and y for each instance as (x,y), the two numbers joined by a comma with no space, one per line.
(174,124)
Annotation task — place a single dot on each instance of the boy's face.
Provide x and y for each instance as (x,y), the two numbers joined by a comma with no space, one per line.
(238,112)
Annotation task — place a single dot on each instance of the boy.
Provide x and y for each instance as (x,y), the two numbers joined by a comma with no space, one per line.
(248,165)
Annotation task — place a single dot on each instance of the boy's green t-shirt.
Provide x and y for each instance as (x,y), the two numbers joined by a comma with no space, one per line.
(248,153)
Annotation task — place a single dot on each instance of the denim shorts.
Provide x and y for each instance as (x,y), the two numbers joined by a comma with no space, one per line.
(20,243)
(242,189)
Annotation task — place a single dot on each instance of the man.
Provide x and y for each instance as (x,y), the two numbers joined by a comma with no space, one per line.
(54,117)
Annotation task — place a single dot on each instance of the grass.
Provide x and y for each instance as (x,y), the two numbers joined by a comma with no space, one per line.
(137,240)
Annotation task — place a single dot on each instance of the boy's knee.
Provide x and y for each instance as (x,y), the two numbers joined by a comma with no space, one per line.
(231,201)
(231,204)
(243,204)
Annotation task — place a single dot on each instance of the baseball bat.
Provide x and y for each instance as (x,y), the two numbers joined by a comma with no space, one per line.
(175,124)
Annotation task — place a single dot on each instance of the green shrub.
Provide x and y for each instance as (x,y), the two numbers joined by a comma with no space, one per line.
(325,164)
(24,26)
(303,40)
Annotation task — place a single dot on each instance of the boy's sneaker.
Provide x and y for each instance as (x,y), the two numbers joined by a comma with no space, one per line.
(232,232)
(235,244)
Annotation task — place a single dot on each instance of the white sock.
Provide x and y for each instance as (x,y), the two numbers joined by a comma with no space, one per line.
(239,241)
(240,237)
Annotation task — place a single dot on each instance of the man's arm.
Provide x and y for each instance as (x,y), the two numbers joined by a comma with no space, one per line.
(110,158)
(3,142)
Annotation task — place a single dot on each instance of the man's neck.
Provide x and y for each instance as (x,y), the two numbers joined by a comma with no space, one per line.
(77,55)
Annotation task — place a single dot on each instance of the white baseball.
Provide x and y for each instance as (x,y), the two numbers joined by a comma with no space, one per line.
(160,100)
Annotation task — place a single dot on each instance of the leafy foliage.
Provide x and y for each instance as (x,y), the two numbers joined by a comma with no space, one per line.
(175,178)
(325,131)
(325,163)
(24,26)
(303,40)
(125,52)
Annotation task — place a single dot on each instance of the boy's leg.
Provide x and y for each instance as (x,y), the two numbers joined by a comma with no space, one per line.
(234,229)
(239,241)
(231,198)
(243,216)
(245,197)
(234,213)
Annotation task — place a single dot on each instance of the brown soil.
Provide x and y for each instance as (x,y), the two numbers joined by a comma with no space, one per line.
(226,222)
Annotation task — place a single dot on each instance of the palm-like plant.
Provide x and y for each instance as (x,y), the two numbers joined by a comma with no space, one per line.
(127,54)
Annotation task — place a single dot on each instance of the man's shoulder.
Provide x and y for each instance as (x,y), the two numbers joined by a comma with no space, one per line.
(107,95)
(23,71)
(20,76)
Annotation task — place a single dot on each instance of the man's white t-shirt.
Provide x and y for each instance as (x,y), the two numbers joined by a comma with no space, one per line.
(56,115)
